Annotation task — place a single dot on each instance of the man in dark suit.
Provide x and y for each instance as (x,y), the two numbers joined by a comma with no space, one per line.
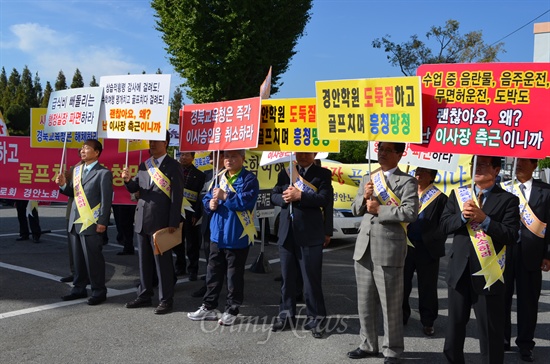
(92,189)
(428,240)
(160,185)
(482,226)
(302,235)
(387,200)
(28,209)
(193,182)
(526,258)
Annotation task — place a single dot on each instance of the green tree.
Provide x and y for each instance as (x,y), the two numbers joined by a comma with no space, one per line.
(77,80)
(47,92)
(19,119)
(351,152)
(3,87)
(450,47)
(93,82)
(175,105)
(224,48)
(61,82)
(37,97)
(25,90)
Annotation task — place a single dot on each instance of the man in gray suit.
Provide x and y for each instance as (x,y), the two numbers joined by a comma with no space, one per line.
(92,189)
(387,200)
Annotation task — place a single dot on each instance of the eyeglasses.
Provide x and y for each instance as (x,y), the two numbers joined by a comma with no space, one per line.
(386,151)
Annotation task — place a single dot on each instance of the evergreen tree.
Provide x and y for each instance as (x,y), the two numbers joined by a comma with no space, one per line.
(3,88)
(25,91)
(47,92)
(93,82)
(61,82)
(175,105)
(77,80)
(37,99)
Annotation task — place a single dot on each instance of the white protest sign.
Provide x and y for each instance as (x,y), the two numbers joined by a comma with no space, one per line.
(439,161)
(73,110)
(174,130)
(135,107)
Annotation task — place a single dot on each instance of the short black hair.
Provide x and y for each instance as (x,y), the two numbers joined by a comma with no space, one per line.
(399,147)
(96,144)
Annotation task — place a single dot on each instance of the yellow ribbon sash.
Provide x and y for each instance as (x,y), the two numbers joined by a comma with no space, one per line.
(188,195)
(427,197)
(245,217)
(492,264)
(386,196)
(163,183)
(88,216)
(528,217)
(300,182)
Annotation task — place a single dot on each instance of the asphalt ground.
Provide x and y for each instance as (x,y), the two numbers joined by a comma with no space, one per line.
(37,327)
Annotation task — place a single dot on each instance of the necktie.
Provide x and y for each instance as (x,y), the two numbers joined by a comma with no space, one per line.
(302,171)
(157,162)
(480,199)
(522,189)
(84,173)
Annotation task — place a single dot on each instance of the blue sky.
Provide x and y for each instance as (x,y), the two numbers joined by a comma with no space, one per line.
(119,37)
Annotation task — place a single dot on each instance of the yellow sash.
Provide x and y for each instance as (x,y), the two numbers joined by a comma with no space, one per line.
(300,182)
(492,264)
(163,183)
(88,216)
(528,217)
(386,196)
(428,196)
(245,217)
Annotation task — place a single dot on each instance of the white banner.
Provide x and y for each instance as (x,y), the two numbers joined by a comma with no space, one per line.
(135,107)
(73,110)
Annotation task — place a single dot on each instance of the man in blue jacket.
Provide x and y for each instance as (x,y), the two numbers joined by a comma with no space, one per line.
(229,205)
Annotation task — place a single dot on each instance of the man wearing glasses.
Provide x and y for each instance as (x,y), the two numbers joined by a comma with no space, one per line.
(387,200)
(483,223)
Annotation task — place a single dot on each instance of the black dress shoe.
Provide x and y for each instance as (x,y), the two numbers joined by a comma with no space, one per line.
(163,308)
(22,238)
(312,323)
(526,355)
(66,279)
(318,332)
(138,302)
(74,296)
(193,276)
(36,239)
(125,252)
(361,354)
(429,330)
(200,292)
(96,300)
(283,324)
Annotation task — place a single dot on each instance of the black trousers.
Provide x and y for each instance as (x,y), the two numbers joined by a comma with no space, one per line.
(190,245)
(224,263)
(427,271)
(527,285)
(309,261)
(489,311)
(33,221)
(124,220)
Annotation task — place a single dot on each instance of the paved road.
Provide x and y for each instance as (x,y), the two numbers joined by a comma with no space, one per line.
(37,327)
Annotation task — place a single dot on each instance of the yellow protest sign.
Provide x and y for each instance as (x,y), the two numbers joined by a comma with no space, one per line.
(290,125)
(383,109)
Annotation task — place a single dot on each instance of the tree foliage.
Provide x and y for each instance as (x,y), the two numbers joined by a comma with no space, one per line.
(223,48)
(60,82)
(351,152)
(450,47)
(78,82)
(176,102)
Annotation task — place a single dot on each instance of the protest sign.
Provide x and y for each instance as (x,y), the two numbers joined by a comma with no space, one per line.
(73,110)
(42,139)
(383,109)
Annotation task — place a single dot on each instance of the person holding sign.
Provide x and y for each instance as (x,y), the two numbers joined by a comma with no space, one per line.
(387,199)
(483,222)
(229,203)
(427,246)
(92,189)
(526,258)
(160,185)
(193,182)
(302,234)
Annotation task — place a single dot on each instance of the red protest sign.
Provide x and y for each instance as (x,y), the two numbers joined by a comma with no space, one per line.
(29,173)
(486,109)
(226,125)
